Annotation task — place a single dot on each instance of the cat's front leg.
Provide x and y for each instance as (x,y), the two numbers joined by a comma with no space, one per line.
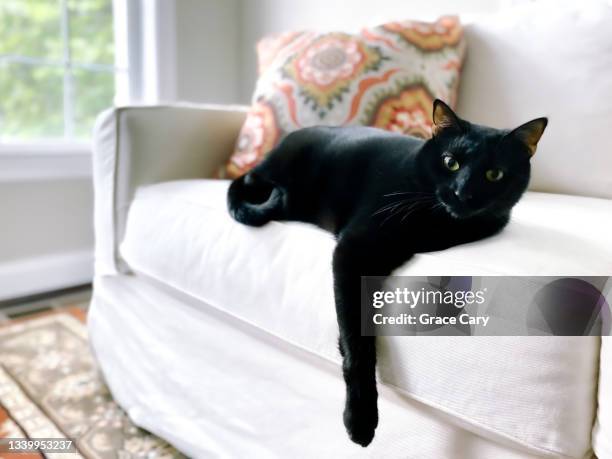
(355,256)
(358,352)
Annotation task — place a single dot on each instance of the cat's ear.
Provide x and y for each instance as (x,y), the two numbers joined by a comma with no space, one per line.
(444,118)
(529,134)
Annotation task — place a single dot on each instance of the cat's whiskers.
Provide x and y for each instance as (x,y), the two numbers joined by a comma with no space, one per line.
(414,195)
(395,211)
(437,206)
(391,206)
(397,193)
(411,205)
(398,211)
(412,209)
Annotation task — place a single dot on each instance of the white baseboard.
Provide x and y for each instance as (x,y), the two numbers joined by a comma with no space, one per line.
(46,273)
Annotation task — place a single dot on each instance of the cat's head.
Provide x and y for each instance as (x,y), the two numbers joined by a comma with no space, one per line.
(477,169)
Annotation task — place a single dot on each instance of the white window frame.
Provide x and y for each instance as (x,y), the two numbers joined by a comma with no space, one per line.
(145,45)
(151,51)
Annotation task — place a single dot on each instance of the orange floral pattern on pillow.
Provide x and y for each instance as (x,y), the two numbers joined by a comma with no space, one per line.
(446,31)
(409,112)
(386,76)
(328,65)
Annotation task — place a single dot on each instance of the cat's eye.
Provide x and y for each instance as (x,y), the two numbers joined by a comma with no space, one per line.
(494,175)
(451,163)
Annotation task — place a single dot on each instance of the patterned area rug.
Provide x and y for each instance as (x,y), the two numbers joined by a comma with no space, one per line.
(50,387)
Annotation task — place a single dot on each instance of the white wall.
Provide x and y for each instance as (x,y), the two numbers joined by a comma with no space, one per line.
(208,50)
(46,235)
(42,218)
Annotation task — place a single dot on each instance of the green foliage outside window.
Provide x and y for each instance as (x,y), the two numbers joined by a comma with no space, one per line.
(56,69)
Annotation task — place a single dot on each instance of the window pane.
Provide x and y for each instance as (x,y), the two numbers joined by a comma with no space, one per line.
(93,92)
(31,101)
(91,31)
(30,28)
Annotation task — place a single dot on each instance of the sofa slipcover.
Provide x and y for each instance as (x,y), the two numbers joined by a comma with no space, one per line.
(181,234)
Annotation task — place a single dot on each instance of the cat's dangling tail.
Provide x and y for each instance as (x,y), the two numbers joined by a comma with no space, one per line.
(254,202)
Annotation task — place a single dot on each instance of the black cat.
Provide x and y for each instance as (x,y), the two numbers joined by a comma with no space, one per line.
(385,197)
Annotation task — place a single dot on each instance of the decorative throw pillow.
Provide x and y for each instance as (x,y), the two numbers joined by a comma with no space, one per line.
(386,76)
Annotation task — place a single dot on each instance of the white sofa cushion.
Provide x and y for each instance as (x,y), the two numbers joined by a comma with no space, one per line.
(554,59)
(537,391)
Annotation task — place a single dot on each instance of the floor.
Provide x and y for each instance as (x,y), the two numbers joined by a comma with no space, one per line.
(48,302)
(50,385)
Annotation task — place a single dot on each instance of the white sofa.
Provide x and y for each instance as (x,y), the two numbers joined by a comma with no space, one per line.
(222,338)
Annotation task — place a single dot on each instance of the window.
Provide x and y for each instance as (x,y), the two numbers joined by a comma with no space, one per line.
(57,67)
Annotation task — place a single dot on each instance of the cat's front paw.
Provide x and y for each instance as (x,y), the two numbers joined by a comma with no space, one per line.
(361,419)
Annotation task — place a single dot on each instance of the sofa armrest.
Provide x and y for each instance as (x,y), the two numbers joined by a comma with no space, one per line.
(136,146)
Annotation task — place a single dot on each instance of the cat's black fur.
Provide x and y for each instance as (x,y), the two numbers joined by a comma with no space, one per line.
(386,197)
